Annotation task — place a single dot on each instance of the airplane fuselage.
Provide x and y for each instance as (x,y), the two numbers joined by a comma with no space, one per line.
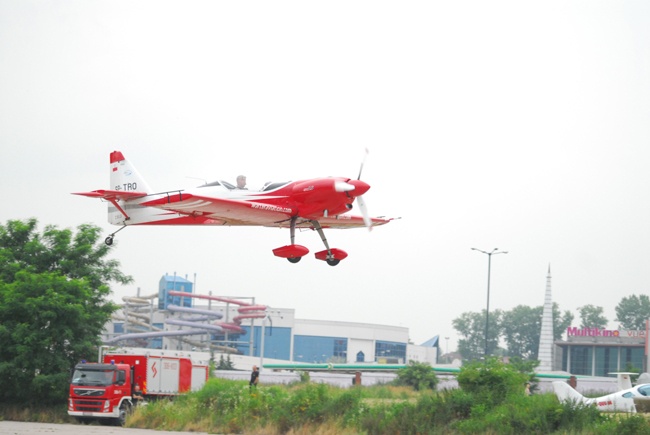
(310,199)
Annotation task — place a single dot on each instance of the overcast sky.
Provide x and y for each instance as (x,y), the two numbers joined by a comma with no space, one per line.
(522,126)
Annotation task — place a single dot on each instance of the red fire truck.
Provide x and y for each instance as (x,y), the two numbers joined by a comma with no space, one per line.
(103,391)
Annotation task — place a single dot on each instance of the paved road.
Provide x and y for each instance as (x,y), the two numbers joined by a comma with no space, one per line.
(23,428)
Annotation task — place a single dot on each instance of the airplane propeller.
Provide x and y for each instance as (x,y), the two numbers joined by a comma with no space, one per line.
(365,156)
(364,212)
(360,187)
(362,203)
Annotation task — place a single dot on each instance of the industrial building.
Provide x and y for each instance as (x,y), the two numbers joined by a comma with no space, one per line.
(178,319)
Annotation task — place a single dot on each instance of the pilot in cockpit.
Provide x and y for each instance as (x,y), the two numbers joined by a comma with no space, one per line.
(241,182)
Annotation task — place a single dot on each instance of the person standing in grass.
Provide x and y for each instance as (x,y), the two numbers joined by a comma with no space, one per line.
(255,377)
(137,395)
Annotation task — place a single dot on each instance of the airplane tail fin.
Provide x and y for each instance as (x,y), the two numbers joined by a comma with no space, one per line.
(566,393)
(126,185)
(124,176)
(623,379)
(127,192)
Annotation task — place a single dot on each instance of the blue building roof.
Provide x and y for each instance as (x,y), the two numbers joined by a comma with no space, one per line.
(432,342)
(175,278)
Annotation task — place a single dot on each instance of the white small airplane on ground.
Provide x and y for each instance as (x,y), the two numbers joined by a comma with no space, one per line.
(621,401)
(315,204)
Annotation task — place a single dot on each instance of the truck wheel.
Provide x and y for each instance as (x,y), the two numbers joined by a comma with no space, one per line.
(125,409)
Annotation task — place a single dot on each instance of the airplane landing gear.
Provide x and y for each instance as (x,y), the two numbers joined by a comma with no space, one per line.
(291,252)
(109,240)
(332,256)
(294,253)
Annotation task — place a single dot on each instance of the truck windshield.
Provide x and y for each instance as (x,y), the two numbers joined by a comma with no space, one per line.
(93,377)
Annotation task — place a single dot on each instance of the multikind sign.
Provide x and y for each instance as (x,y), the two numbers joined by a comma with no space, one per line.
(573,331)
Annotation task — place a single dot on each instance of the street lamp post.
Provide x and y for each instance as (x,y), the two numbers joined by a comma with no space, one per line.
(487,311)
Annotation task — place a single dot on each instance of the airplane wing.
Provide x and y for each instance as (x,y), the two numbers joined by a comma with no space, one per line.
(242,213)
(229,211)
(112,195)
(343,221)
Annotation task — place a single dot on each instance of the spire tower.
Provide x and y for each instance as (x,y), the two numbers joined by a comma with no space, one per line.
(545,352)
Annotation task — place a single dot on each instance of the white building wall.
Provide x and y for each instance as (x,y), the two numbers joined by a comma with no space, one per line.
(365,331)
(366,346)
(421,354)
(361,336)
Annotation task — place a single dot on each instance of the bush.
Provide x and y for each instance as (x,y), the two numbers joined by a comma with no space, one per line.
(624,424)
(307,403)
(574,416)
(492,382)
(417,375)
(346,405)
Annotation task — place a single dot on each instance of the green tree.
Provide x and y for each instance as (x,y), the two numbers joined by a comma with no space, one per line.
(417,375)
(561,321)
(633,311)
(521,328)
(53,307)
(225,363)
(471,327)
(592,316)
(524,366)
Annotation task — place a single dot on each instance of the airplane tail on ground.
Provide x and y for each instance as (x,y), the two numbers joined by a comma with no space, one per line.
(566,393)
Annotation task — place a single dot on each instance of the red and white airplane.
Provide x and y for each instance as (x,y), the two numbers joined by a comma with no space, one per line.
(621,401)
(315,204)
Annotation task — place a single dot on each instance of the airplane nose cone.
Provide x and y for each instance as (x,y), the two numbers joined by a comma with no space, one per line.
(360,187)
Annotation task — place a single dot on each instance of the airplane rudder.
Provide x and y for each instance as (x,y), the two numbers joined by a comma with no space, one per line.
(124,176)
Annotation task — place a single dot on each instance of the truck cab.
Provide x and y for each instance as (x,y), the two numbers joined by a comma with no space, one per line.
(101,391)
